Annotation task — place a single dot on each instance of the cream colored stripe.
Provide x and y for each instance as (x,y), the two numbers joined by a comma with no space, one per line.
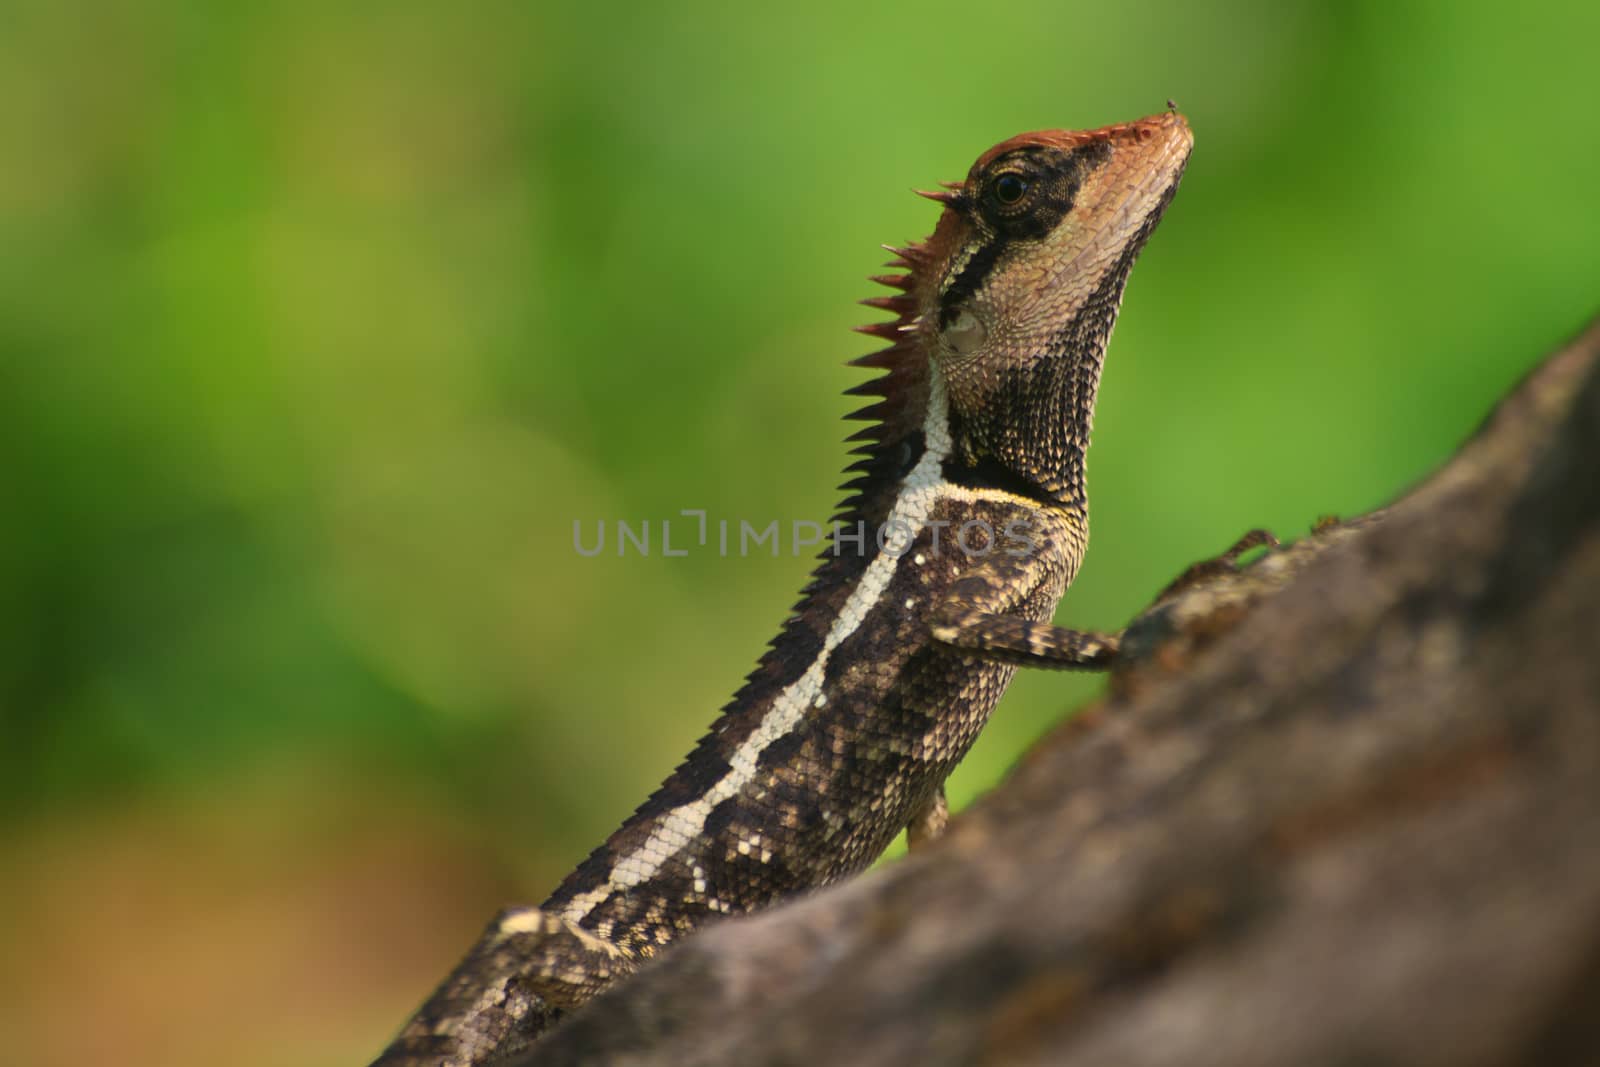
(676,829)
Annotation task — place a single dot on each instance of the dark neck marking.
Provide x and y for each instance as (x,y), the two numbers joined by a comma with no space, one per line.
(990,473)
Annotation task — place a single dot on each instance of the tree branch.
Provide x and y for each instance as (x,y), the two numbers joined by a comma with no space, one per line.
(1341,806)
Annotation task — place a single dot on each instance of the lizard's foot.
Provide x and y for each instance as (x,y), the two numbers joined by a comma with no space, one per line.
(527,968)
(1226,563)
(556,959)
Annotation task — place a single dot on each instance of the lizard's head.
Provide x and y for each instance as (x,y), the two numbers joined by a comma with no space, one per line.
(1018,288)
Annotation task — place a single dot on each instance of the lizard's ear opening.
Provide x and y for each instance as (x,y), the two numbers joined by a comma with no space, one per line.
(965,333)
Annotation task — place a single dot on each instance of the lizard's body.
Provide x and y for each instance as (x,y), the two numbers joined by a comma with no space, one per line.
(972,467)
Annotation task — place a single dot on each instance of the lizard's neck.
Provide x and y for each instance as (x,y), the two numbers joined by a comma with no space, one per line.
(1034,425)
(1033,436)
(1026,423)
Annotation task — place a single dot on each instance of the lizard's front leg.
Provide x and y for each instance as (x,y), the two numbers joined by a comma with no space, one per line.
(980,611)
(990,610)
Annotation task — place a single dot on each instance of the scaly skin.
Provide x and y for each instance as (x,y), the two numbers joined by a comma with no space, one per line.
(973,465)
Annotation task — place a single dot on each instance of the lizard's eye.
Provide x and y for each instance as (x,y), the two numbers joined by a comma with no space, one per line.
(1010,188)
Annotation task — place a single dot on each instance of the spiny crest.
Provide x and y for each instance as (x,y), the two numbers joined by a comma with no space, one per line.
(902,362)
(900,392)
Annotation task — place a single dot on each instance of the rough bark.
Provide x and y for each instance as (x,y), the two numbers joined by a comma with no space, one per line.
(1341,806)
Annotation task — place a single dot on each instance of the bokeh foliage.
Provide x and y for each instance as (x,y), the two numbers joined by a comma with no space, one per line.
(319,325)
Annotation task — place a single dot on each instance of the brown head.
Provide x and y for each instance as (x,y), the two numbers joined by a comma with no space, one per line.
(1011,301)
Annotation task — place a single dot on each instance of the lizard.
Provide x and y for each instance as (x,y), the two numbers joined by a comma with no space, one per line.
(965,519)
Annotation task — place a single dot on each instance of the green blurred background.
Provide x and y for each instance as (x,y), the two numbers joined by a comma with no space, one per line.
(320,324)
